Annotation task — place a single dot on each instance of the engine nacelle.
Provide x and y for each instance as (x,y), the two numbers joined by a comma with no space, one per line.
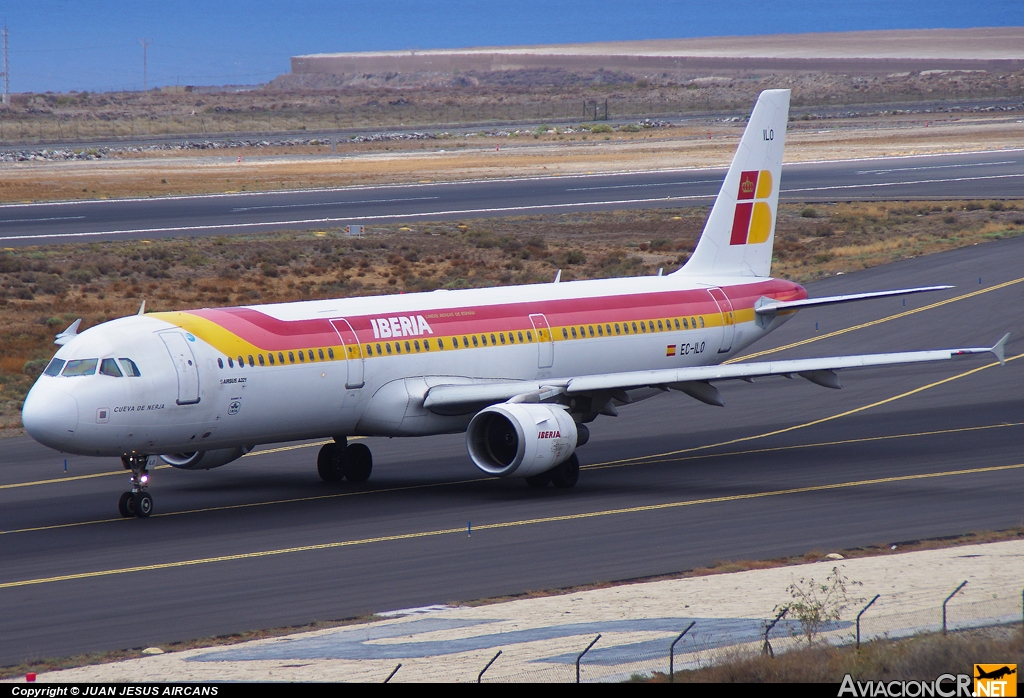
(204,460)
(520,440)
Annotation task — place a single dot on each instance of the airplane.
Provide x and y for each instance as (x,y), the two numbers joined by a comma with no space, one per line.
(522,370)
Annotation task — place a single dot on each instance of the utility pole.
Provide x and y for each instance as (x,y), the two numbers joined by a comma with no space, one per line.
(145,77)
(7,72)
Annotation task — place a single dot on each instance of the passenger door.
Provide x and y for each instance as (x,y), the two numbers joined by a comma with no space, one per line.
(728,318)
(185,366)
(353,352)
(545,342)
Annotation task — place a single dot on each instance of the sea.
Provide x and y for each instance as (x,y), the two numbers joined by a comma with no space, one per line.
(103,45)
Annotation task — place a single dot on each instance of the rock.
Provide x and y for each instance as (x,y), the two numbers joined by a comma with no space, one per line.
(834,556)
(152,650)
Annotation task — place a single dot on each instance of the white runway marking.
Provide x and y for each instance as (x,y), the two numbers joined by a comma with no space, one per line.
(937,167)
(334,203)
(641,186)
(34,220)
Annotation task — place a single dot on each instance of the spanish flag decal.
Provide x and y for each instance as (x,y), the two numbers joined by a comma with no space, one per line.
(752,222)
(670,350)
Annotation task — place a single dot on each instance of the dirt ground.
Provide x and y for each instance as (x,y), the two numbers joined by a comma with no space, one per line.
(175,172)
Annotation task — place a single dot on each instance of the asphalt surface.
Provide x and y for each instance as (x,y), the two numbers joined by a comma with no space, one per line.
(996,174)
(263,543)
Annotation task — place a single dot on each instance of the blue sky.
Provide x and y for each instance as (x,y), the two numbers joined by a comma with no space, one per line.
(65,45)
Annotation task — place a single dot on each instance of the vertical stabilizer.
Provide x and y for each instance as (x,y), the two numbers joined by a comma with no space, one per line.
(737,239)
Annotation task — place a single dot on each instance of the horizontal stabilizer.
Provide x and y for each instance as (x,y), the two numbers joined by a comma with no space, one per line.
(767,306)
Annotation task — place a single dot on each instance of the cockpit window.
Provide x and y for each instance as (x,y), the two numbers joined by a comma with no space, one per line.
(54,368)
(80,367)
(108,367)
(130,369)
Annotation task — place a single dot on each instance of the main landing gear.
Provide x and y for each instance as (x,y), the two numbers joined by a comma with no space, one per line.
(338,460)
(138,502)
(563,475)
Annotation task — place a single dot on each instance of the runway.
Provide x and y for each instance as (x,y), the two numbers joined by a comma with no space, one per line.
(985,175)
(785,468)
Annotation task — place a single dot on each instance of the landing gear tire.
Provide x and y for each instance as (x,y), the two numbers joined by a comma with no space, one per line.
(126,505)
(328,463)
(358,463)
(567,473)
(143,504)
(539,481)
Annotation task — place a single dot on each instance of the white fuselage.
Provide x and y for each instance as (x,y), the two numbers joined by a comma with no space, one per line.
(361,366)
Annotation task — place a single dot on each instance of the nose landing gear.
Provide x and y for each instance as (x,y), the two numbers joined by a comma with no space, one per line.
(138,502)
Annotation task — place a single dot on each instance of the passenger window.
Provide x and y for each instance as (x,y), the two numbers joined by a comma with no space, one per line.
(583,331)
(270,358)
(661,328)
(220,362)
(369,350)
(591,329)
(388,347)
(108,367)
(493,340)
(231,362)
(80,367)
(702,321)
(416,344)
(378,350)
(600,331)
(320,353)
(475,342)
(529,336)
(440,343)
(130,369)
(426,345)
(520,336)
(565,333)
(291,357)
(501,336)
(280,358)
(53,369)
(643,326)
(251,362)
(330,352)
(302,356)
(617,328)
(677,323)
(311,357)
(634,327)
(686,325)
(465,342)
(574,333)
(260,357)
(241,362)
(398,347)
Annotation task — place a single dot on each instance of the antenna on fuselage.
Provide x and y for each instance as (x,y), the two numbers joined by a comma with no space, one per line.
(142,308)
(70,333)
(558,277)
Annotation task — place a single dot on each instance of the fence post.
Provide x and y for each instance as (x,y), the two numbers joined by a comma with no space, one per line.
(395,671)
(870,603)
(767,649)
(480,676)
(592,643)
(672,653)
(962,585)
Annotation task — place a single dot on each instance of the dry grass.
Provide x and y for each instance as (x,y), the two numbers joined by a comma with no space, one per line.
(42,290)
(923,657)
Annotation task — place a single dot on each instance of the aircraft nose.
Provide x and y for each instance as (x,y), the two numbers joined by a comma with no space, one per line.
(50,415)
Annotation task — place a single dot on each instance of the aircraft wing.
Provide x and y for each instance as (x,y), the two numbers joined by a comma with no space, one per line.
(694,381)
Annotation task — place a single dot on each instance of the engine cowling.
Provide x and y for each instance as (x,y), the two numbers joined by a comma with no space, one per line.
(204,460)
(520,440)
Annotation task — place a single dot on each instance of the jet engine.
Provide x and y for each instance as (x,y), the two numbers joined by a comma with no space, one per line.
(520,440)
(204,460)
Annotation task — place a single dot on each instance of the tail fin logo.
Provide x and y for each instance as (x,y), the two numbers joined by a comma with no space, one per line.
(752,221)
